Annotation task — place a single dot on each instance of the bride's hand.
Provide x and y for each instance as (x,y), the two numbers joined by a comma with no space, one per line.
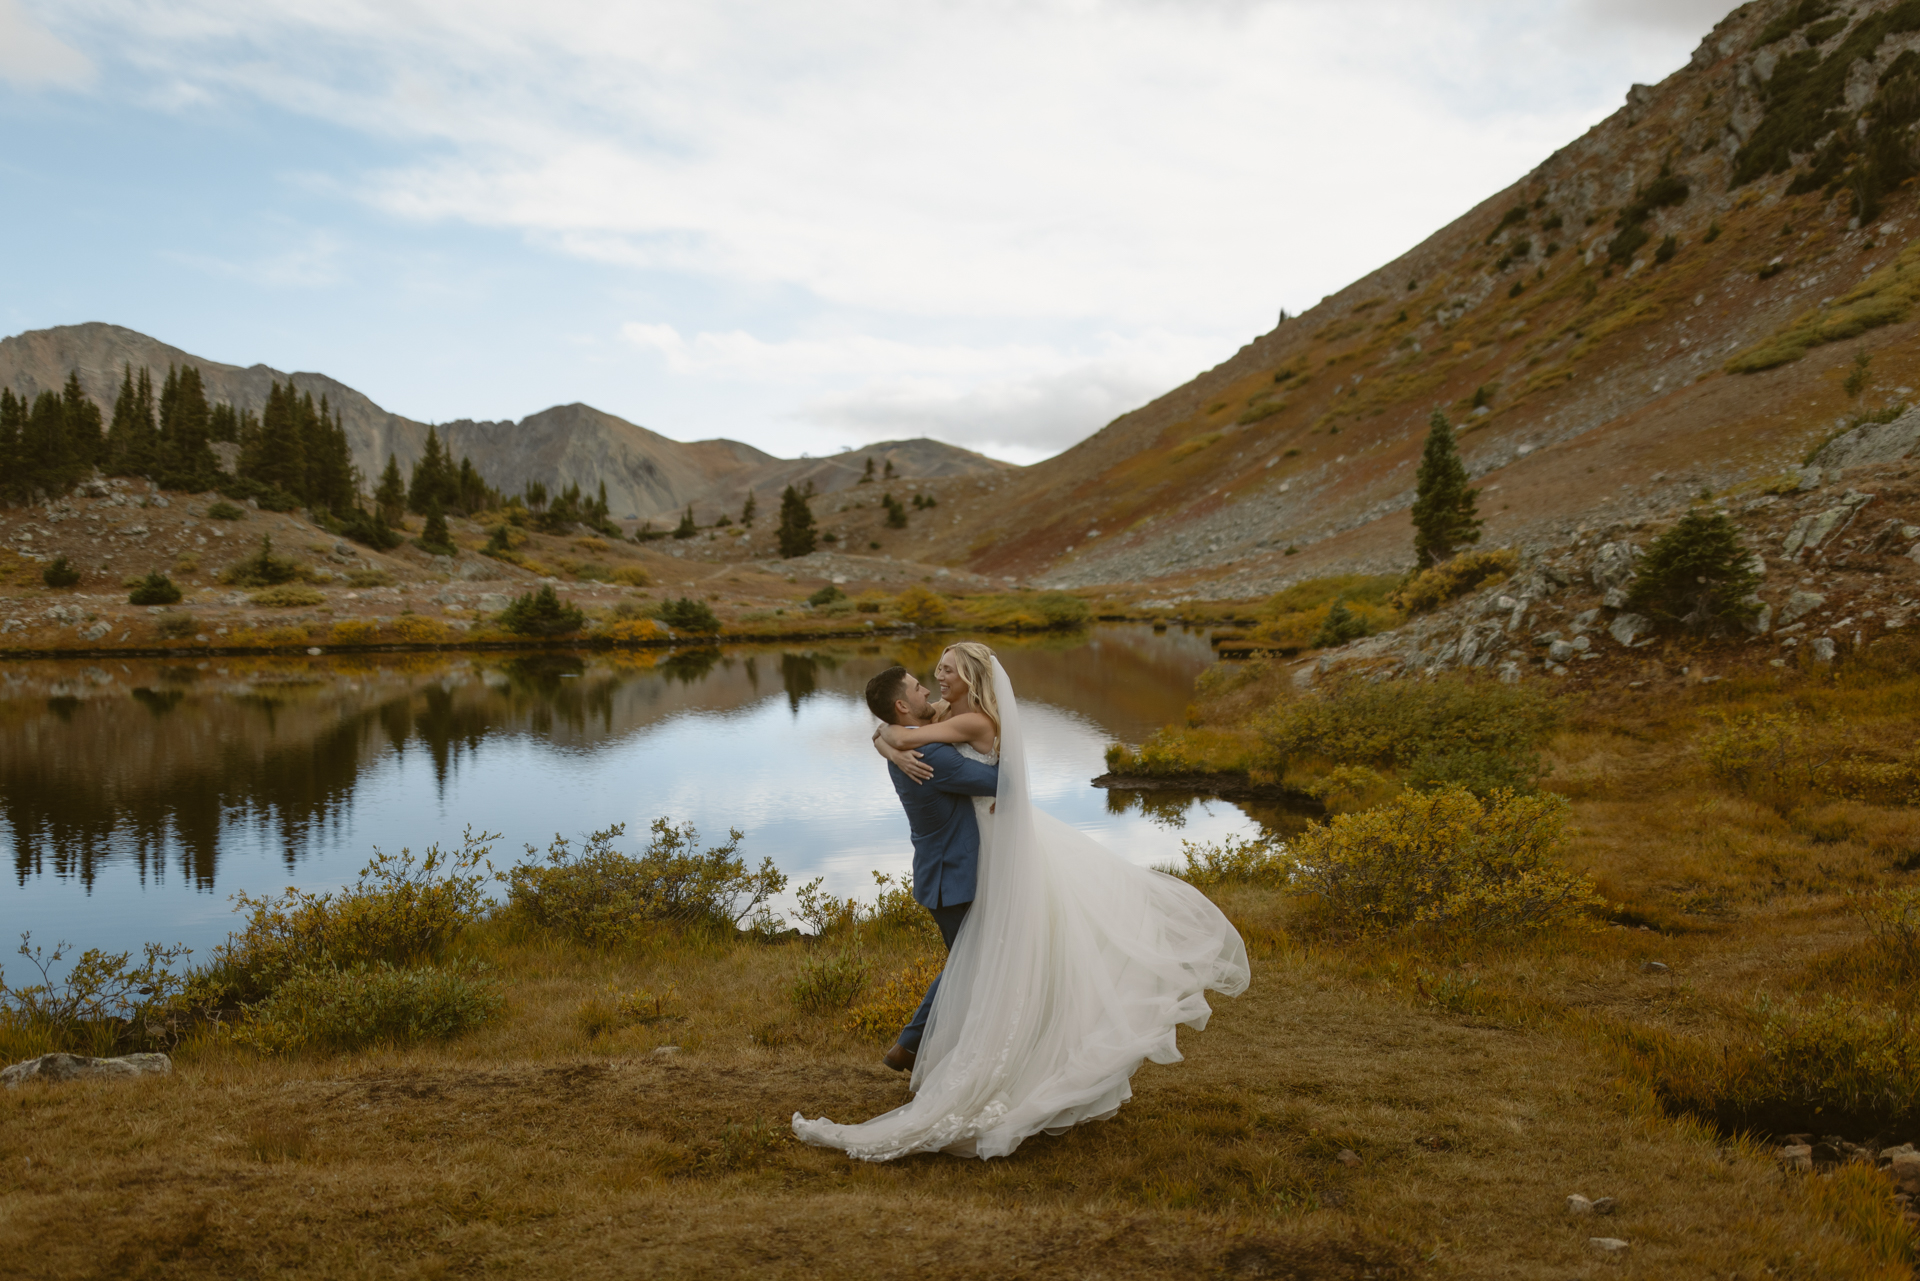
(909,762)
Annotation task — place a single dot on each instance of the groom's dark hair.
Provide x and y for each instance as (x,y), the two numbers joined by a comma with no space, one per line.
(883,691)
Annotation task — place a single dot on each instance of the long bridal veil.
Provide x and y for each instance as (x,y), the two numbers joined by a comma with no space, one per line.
(1073,967)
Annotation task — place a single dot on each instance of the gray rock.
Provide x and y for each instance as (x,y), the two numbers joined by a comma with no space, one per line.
(1560,651)
(1627,626)
(1577,1204)
(1796,1156)
(1810,531)
(1604,1205)
(665,1051)
(1582,644)
(1349,1158)
(95,632)
(493,602)
(1822,647)
(1873,443)
(1800,604)
(1616,598)
(1761,623)
(1509,673)
(1654,967)
(1609,1245)
(480,570)
(1586,620)
(1613,565)
(75,1067)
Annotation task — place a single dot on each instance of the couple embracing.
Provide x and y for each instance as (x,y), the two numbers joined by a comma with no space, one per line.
(1067,967)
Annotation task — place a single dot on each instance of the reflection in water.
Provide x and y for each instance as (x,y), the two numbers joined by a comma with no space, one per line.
(115,779)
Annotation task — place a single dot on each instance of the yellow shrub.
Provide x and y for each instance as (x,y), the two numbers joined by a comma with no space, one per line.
(633,576)
(355,631)
(1299,630)
(1432,588)
(283,637)
(633,631)
(1447,860)
(920,607)
(882,1018)
(289,596)
(1170,751)
(414,629)
(591,544)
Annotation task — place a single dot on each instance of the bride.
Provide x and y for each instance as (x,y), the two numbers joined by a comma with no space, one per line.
(1072,968)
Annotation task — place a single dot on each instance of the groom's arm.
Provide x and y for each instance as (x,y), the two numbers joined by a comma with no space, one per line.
(955,773)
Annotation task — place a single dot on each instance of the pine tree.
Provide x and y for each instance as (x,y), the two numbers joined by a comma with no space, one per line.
(1443,506)
(46,468)
(223,424)
(83,424)
(184,459)
(896,511)
(747,510)
(1340,626)
(132,438)
(796,524)
(431,475)
(686,528)
(435,538)
(867,477)
(1697,574)
(390,500)
(13,424)
(276,456)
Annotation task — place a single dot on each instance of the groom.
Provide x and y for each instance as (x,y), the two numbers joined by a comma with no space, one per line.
(946,837)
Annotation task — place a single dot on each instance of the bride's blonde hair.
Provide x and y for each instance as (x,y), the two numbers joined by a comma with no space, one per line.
(974,662)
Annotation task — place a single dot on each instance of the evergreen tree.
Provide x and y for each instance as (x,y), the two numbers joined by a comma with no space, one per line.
(390,499)
(796,524)
(1339,628)
(276,455)
(430,476)
(13,425)
(223,423)
(1697,574)
(83,425)
(890,472)
(434,537)
(46,466)
(331,482)
(1443,506)
(747,510)
(686,529)
(867,478)
(896,511)
(184,459)
(132,438)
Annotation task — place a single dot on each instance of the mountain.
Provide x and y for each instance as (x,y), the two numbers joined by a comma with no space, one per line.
(1677,301)
(646,474)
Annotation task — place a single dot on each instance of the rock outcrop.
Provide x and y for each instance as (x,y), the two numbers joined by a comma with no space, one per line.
(54,1068)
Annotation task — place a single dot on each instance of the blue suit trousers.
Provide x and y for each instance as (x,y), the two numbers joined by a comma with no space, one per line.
(948,918)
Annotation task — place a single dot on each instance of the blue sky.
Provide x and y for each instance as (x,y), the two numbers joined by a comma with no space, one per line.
(807,226)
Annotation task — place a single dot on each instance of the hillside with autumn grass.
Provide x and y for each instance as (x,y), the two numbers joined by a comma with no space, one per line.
(1679,300)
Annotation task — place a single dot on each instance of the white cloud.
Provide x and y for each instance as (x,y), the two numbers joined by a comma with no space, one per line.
(31,55)
(1159,174)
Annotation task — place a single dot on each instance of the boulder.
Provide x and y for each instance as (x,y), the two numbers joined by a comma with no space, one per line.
(1799,605)
(1613,565)
(74,1067)
(1822,647)
(1810,531)
(1627,626)
(1873,443)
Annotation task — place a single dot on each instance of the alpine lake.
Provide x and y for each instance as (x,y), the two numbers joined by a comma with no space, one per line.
(137,797)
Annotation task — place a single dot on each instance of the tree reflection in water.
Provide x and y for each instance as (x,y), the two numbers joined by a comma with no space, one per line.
(151,766)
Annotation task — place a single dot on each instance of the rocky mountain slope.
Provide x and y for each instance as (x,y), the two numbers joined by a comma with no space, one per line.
(646,474)
(1678,301)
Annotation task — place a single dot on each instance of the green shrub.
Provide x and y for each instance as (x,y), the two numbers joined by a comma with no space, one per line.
(1062,609)
(176,626)
(60,573)
(1392,723)
(322,1008)
(604,897)
(370,578)
(688,615)
(1666,251)
(1339,627)
(106,1001)
(263,568)
(1234,861)
(400,910)
(831,981)
(289,596)
(1432,588)
(542,613)
(225,511)
(1477,770)
(155,589)
(371,529)
(1696,574)
(1443,860)
(826,596)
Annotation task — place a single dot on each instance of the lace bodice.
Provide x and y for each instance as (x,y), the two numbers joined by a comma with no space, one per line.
(967,750)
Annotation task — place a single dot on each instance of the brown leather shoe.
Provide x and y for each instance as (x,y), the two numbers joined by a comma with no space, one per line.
(899,1058)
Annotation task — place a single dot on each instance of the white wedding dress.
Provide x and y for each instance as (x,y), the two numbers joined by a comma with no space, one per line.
(1073,967)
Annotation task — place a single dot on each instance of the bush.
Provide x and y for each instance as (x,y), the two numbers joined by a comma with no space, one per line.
(831,982)
(614,1009)
(355,631)
(1303,630)
(1432,588)
(600,896)
(415,629)
(826,596)
(882,1018)
(1339,627)
(289,596)
(1234,861)
(371,529)
(263,568)
(1477,770)
(104,1003)
(225,511)
(370,578)
(632,576)
(542,613)
(176,626)
(400,910)
(1697,574)
(60,573)
(270,497)
(920,607)
(688,615)
(1444,860)
(1392,723)
(370,1004)
(155,589)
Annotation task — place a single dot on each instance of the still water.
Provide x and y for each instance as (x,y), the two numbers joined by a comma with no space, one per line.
(137,797)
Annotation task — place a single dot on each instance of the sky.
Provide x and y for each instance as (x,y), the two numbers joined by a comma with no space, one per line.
(809,226)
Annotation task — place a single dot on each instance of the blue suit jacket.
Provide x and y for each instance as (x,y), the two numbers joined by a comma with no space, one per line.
(946,836)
